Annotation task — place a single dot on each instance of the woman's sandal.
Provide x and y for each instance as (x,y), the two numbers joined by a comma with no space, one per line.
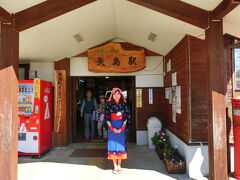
(114,171)
(120,171)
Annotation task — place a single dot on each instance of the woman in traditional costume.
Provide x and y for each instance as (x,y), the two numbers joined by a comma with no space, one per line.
(117,117)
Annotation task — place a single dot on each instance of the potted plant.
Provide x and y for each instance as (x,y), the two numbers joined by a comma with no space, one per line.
(160,140)
(173,161)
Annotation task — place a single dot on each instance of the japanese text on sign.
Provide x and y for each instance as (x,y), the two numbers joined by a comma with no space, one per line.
(113,58)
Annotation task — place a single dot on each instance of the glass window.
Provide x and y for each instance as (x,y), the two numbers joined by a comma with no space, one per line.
(237,68)
(21,73)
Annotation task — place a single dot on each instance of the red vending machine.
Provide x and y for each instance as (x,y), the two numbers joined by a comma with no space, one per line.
(35,117)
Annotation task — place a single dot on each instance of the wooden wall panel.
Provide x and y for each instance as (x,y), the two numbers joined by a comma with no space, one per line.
(179,64)
(198,84)
(150,110)
(189,60)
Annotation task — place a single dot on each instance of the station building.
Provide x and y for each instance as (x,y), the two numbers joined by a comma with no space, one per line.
(148,49)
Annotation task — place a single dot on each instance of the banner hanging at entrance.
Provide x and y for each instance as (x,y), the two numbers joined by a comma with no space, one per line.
(60,100)
(112,58)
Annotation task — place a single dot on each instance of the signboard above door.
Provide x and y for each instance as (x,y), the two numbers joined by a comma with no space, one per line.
(112,58)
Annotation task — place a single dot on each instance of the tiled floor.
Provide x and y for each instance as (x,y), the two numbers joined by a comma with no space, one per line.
(142,163)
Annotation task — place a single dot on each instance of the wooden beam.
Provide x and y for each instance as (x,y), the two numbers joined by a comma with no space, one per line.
(45,11)
(9,47)
(9,44)
(225,7)
(177,9)
(232,37)
(74,81)
(5,16)
(217,135)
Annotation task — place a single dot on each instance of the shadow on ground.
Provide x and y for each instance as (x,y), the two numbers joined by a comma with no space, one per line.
(142,163)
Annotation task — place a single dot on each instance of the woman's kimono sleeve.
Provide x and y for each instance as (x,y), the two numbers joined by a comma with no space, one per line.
(107,116)
(127,115)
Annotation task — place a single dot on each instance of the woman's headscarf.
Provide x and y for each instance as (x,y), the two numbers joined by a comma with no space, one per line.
(113,91)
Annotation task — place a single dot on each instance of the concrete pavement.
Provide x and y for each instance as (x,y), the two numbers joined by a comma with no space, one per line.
(142,164)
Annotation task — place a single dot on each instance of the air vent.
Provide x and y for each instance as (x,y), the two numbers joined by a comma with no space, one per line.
(152,36)
(78,37)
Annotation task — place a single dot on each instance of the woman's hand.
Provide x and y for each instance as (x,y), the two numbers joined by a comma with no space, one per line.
(108,123)
(116,130)
(113,129)
(125,123)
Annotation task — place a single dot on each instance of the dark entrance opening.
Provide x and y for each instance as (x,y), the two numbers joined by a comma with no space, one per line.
(100,85)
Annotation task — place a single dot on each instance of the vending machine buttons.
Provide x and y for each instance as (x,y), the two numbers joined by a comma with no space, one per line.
(36,109)
(25,99)
(37,121)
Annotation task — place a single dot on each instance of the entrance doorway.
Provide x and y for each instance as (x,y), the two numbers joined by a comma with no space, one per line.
(100,85)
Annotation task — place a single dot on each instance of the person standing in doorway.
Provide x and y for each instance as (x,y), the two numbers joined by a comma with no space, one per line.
(102,132)
(88,106)
(117,117)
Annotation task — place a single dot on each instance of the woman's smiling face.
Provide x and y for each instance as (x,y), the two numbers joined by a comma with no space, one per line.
(116,96)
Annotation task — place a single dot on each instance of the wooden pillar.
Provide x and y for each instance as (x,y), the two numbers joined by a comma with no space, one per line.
(9,57)
(217,139)
(74,107)
(228,41)
(62,120)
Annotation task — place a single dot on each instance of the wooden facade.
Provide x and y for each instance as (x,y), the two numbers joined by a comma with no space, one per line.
(191,124)
(189,61)
(150,110)
(194,81)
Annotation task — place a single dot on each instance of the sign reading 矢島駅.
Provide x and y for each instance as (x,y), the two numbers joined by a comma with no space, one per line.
(112,58)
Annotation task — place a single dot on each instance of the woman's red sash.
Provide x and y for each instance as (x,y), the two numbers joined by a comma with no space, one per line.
(116,116)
